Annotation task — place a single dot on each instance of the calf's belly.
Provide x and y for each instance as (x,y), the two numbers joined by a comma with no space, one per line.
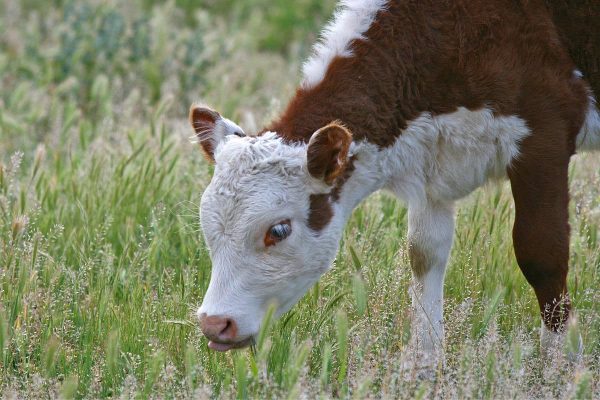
(446,157)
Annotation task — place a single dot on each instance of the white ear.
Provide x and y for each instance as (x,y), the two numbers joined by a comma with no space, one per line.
(211,128)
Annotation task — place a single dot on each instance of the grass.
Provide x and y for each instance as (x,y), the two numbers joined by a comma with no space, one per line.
(101,259)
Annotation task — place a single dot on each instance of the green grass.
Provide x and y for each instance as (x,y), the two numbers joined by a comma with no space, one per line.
(102,263)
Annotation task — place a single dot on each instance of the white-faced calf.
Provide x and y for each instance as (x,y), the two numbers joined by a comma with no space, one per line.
(428,100)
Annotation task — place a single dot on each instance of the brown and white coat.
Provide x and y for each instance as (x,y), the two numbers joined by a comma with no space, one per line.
(428,99)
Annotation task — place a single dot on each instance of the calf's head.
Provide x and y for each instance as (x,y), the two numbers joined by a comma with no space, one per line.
(268,221)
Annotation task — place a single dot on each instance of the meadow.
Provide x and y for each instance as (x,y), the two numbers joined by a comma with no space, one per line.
(102,262)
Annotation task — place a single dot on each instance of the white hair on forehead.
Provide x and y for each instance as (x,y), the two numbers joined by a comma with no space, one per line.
(263,168)
(268,152)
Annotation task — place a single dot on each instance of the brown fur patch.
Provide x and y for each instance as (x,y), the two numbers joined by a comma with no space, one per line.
(432,56)
(419,262)
(341,180)
(320,212)
(327,156)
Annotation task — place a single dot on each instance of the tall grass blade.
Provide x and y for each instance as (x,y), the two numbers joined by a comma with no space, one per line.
(360,294)
(489,312)
(342,345)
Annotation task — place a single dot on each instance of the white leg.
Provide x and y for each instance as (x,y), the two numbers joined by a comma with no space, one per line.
(430,233)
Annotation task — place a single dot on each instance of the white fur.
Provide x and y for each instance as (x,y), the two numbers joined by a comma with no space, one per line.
(352,19)
(261,181)
(444,158)
(589,136)
(436,161)
(430,232)
(257,183)
(224,127)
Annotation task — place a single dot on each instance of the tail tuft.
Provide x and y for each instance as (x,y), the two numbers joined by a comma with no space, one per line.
(588,138)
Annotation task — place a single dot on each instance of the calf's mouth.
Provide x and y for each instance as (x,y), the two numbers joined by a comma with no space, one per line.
(230,345)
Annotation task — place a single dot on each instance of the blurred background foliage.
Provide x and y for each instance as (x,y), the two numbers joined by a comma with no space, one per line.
(142,51)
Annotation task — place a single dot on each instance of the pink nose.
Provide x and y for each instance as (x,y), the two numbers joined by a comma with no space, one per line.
(217,328)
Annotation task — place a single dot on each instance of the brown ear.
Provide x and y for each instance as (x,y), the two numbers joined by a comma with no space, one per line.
(211,128)
(204,121)
(327,153)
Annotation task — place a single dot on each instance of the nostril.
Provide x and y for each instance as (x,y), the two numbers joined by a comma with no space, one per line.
(218,328)
(229,331)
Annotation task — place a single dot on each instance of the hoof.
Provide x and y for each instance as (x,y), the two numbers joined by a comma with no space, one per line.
(422,366)
(555,344)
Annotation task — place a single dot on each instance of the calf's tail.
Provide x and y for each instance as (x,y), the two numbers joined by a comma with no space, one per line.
(578,24)
(588,138)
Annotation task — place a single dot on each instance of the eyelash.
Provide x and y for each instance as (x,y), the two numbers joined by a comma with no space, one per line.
(285,230)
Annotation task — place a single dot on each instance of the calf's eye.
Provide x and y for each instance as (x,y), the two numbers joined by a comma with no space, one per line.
(278,232)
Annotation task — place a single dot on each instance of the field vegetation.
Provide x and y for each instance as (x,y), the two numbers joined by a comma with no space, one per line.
(102,262)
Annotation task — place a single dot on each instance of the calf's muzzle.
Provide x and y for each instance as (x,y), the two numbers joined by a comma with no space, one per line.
(217,328)
(221,332)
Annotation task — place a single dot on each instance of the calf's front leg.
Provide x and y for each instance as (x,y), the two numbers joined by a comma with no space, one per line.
(430,233)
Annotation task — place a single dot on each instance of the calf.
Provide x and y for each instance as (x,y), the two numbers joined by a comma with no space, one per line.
(428,99)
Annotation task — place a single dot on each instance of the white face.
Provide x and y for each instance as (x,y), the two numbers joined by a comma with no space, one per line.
(269,239)
(254,216)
